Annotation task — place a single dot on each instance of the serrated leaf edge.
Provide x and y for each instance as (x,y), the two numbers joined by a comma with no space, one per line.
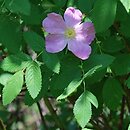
(4,89)
(74,112)
(33,97)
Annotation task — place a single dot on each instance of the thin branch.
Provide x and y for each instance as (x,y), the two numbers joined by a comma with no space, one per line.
(120,125)
(95,125)
(54,115)
(42,117)
(127,91)
(106,122)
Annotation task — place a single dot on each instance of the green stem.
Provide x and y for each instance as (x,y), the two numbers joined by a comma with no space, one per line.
(2,4)
(54,115)
(38,55)
(83,73)
(99,46)
(2,126)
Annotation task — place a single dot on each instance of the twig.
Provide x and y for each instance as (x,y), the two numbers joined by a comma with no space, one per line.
(42,117)
(127,93)
(127,97)
(54,115)
(95,125)
(120,125)
(106,124)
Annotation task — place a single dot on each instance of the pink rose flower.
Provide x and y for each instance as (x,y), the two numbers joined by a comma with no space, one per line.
(70,32)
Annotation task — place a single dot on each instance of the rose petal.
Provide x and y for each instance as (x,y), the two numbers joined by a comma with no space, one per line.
(85,31)
(79,48)
(72,16)
(54,24)
(55,43)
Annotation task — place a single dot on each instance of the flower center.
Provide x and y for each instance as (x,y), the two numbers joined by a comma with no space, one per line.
(70,33)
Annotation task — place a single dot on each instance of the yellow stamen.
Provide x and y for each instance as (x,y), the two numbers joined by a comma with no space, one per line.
(70,33)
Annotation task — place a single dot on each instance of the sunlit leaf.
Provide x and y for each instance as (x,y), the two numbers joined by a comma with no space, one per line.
(12,87)
(33,79)
(82,110)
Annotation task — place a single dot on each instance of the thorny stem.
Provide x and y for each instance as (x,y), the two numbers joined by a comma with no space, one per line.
(54,115)
(42,117)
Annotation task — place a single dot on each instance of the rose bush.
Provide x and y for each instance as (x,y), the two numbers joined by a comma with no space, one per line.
(68,60)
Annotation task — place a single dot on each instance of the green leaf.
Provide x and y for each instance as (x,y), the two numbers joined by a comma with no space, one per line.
(121,14)
(86,129)
(33,79)
(85,5)
(35,17)
(74,84)
(96,77)
(4,114)
(113,44)
(124,27)
(51,61)
(92,98)
(35,41)
(60,3)
(129,127)
(121,65)
(46,74)
(82,110)
(70,70)
(96,60)
(48,5)
(103,14)
(126,4)
(91,71)
(14,63)
(19,6)
(94,74)
(12,87)
(10,34)
(112,93)
(4,78)
(127,82)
